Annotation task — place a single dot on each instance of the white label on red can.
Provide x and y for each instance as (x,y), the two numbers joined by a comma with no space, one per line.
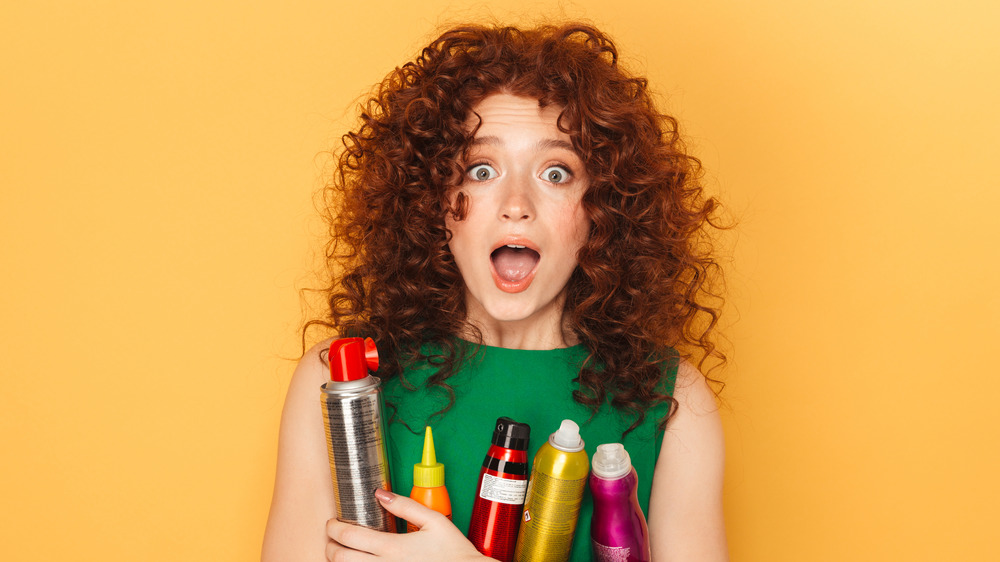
(502,490)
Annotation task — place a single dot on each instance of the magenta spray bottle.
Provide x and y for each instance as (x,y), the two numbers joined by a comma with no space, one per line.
(618,531)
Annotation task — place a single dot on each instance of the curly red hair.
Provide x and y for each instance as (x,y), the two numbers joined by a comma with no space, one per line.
(642,287)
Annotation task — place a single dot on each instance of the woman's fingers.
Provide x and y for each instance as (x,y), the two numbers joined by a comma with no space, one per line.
(339,553)
(437,536)
(350,543)
(405,508)
(354,537)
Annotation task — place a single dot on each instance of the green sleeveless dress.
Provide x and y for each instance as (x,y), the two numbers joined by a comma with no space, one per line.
(528,386)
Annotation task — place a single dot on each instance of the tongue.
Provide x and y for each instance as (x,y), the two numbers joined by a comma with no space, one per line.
(513,264)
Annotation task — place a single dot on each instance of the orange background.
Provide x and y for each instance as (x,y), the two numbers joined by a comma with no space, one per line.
(157,168)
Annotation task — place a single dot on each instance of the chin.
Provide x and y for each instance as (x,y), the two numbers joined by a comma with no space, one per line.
(508,314)
(503,310)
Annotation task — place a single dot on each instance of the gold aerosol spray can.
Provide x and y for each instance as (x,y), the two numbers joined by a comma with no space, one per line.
(552,505)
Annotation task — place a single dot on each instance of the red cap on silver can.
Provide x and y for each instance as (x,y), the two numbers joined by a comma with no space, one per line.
(352,358)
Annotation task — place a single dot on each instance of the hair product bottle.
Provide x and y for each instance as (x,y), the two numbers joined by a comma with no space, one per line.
(618,531)
(503,482)
(552,505)
(428,481)
(355,434)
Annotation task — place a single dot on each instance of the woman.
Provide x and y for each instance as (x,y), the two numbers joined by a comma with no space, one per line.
(522,233)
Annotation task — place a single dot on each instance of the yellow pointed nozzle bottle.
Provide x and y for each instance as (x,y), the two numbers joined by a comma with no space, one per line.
(428,473)
(428,481)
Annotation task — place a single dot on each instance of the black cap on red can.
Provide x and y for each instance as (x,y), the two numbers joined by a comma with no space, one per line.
(510,434)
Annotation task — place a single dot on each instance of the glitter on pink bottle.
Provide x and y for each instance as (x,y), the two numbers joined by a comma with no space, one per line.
(618,531)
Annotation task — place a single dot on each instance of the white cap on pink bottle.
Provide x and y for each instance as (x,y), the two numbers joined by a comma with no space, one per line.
(611,461)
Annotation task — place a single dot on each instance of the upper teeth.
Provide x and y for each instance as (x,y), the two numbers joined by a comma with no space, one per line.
(515,246)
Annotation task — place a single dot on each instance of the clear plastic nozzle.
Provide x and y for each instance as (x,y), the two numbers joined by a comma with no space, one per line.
(567,437)
(611,460)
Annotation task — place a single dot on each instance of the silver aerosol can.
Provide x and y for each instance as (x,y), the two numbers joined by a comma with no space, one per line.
(353,414)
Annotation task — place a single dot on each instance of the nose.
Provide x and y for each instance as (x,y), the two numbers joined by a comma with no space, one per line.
(516,203)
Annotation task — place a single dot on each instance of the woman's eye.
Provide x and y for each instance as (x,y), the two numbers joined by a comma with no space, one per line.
(556,174)
(482,172)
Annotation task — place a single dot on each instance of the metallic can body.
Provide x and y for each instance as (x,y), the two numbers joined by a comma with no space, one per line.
(353,415)
(552,506)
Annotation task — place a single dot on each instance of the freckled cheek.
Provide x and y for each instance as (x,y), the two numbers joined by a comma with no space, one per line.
(464,239)
(576,226)
(459,234)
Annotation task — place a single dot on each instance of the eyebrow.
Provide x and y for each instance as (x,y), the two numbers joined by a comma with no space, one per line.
(542,144)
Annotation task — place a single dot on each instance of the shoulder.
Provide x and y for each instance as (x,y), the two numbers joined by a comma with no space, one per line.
(691,390)
(695,424)
(311,370)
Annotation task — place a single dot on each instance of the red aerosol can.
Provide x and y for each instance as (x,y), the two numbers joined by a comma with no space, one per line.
(503,481)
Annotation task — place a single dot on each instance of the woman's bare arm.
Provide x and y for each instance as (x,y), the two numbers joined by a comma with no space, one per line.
(685,506)
(303,491)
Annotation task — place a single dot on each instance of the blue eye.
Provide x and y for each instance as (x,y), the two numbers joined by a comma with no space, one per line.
(482,172)
(556,174)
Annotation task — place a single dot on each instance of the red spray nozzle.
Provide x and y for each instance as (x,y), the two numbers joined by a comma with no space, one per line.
(352,358)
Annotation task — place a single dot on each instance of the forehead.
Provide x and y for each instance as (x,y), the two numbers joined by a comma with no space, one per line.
(515,113)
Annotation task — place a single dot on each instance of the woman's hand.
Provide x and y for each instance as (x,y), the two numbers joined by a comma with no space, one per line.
(437,538)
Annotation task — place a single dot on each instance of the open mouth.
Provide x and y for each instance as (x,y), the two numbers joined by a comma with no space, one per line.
(513,265)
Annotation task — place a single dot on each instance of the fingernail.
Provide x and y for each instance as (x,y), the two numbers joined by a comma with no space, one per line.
(384,496)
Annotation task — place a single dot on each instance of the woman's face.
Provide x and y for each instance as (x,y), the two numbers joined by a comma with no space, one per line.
(517,245)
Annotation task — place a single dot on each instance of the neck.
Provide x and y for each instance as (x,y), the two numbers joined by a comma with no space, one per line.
(510,336)
(547,330)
